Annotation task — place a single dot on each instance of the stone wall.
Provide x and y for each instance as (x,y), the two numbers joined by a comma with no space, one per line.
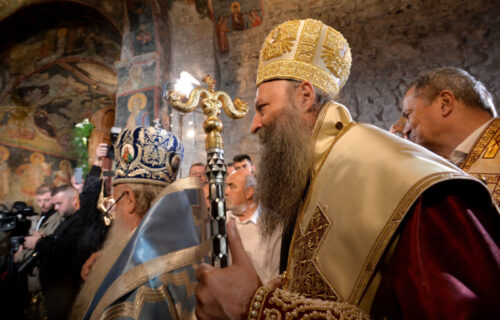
(391,42)
(193,51)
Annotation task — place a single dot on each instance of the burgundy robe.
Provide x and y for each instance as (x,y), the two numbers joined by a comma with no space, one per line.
(446,264)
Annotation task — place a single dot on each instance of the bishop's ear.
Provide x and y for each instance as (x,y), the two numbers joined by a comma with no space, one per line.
(129,201)
(307,96)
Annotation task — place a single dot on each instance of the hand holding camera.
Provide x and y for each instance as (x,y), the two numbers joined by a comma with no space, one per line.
(30,241)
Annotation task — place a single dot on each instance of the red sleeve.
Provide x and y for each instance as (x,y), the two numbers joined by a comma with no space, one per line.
(447,262)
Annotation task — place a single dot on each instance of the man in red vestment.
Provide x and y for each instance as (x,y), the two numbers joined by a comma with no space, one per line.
(375,226)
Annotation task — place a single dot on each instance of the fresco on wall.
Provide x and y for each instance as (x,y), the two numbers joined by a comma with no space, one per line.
(231,16)
(5,173)
(164,40)
(84,41)
(141,26)
(23,171)
(140,107)
(113,9)
(56,68)
(41,111)
(137,76)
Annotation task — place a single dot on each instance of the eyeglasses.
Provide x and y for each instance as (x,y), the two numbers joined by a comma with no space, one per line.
(111,199)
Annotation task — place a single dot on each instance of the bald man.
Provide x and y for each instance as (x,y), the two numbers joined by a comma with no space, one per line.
(264,252)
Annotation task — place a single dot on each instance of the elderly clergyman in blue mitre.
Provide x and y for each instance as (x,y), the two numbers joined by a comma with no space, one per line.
(159,234)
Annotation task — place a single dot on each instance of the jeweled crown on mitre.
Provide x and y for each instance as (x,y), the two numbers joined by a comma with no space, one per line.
(306,50)
(147,155)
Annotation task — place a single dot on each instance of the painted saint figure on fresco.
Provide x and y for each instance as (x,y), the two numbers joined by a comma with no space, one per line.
(63,175)
(237,17)
(255,19)
(4,172)
(222,29)
(138,116)
(33,174)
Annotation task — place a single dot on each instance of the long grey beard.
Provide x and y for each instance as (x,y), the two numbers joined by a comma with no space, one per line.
(284,168)
(113,247)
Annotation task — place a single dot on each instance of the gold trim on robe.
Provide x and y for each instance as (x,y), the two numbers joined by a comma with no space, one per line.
(151,269)
(483,161)
(365,181)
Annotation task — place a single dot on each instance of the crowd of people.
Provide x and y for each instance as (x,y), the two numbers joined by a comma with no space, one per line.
(338,220)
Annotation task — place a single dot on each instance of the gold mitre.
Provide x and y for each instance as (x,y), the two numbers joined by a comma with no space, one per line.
(306,50)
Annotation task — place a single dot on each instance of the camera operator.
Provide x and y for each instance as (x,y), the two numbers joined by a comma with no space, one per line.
(81,232)
(46,223)
(25,257)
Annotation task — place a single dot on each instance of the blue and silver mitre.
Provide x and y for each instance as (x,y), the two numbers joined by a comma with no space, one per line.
(147,155)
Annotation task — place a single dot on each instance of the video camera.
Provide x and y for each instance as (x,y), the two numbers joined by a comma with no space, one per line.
(115,132)
(15,220)
(17,223)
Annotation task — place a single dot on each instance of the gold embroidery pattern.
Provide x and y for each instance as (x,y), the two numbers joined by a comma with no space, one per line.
(304,276)
(257,303)
(280,40)
(299,71)
(390,228)
(153,268)
(282,304)
(147,294)
(493,146)
(492,181)
(308,41)
(337,55)
(133,309)
(489,139)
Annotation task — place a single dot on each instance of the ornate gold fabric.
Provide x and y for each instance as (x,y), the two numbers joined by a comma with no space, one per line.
(306,50)
(280,304)
(304,275)
(147,294)
(346,223)
(153,268)
(483,161)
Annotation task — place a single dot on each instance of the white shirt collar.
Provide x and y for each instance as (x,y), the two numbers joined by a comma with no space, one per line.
(253,219)
(462,150)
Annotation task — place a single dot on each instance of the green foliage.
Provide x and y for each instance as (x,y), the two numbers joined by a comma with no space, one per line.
(81,134)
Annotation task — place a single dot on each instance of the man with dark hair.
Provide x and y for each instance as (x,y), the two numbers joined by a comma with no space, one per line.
(48,220)
(43,200)
(197,169)
(243,161)
(230,168)
(63,253)
(374,226)
(46,224)
(452,114)
(80,233)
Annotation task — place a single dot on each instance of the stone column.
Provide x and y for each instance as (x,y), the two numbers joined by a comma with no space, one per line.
(144,64)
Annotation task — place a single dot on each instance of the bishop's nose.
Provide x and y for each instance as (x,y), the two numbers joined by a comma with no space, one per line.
(256,123)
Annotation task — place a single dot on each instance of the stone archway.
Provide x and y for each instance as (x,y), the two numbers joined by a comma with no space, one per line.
(58,67)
